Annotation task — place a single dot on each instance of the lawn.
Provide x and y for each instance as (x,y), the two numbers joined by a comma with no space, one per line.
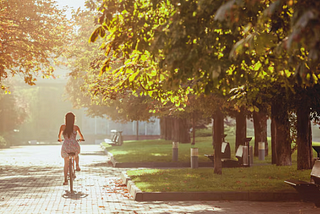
(257,178)
(261,177)
(161,150)
(157,150)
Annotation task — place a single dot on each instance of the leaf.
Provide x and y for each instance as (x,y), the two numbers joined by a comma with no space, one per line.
(94,35)
(102,32)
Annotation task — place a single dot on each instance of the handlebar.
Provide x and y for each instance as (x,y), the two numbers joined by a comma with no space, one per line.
(77,140)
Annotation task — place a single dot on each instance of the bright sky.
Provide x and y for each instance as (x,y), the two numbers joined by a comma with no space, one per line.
(71,3)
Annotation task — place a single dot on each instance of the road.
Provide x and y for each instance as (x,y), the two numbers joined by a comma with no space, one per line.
(31,180)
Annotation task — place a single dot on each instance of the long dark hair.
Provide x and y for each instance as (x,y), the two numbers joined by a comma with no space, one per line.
(70,117)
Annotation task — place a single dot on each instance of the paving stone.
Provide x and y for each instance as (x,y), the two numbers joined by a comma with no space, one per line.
(31,180)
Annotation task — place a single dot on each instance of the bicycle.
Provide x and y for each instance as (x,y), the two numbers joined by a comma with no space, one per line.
(71,170)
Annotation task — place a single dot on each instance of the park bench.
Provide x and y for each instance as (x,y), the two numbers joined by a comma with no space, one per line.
(245,157)
(226,155)
(309,191)
(116,138)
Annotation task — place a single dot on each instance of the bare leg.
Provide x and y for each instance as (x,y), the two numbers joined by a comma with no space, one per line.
(77,163)
(66,167)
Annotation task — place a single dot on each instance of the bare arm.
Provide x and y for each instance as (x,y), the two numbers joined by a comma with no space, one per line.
(62,127)
(80,134)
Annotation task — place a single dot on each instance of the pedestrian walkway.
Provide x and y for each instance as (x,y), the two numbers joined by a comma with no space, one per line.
(31,180)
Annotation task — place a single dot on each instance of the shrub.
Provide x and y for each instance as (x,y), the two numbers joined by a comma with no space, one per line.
(3,142)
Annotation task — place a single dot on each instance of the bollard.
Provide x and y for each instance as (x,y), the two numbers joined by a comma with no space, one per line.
(251,155)
(245,156)
(175,147)
(194,158)
(262,150)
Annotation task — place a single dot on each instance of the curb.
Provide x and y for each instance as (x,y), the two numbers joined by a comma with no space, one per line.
(160,165)
(138,195)
(109,155)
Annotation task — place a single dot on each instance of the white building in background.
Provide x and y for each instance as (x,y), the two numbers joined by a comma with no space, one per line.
(98,125)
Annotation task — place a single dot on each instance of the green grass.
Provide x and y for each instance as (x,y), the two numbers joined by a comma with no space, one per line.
(157,150)
(161,150)
(257,178)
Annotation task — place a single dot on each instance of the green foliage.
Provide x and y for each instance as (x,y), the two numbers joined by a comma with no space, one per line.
(285,29)
(33,35)
(84,60)
(203,132)
(13,111)
(3,142)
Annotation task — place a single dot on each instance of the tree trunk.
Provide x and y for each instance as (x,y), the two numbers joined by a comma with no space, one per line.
(181,132)
(257,132)
(162,128)
(176,130)
(304,139)
(193,129)
(213,131)
(222,128)
(264,132)
(169,128)
(241,128)
(218,134)
(260,131)
(184,134)
(310,142)
(273,137)
(283,142)
(137,133)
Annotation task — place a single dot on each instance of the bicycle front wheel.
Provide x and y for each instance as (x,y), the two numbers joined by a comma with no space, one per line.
(71,174)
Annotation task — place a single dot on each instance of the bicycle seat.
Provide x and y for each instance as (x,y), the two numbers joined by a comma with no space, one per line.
(71,154)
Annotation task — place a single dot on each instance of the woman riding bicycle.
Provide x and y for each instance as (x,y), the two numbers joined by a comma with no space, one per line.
(70,143)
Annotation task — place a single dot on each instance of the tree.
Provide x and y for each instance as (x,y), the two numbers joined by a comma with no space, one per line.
(286,30)
(33,35)
(182,48)
(83,60)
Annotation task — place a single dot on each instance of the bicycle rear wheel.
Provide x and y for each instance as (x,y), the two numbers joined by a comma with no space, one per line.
(71,174)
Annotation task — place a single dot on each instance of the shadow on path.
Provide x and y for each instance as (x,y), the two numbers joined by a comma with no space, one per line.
(75,195)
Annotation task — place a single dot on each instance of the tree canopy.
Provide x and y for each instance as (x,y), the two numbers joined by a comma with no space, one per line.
(33,36)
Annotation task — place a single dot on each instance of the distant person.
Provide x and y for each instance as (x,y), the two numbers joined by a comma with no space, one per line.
(70,143)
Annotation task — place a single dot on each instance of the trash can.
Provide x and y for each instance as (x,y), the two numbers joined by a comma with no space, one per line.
(262,150)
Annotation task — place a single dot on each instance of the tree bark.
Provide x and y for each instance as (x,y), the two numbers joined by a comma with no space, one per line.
(169,128)
(218,134)
(213,133)
(137,131)
(184,134)
(273,136)
(193,129)
(181,132)
(241,128)
(260,131)
(310,142)
(162,128)
(257,132)
(304,138)
(283,142)
(176,130)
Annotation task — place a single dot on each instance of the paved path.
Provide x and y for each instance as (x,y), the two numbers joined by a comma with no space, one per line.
(31,182)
